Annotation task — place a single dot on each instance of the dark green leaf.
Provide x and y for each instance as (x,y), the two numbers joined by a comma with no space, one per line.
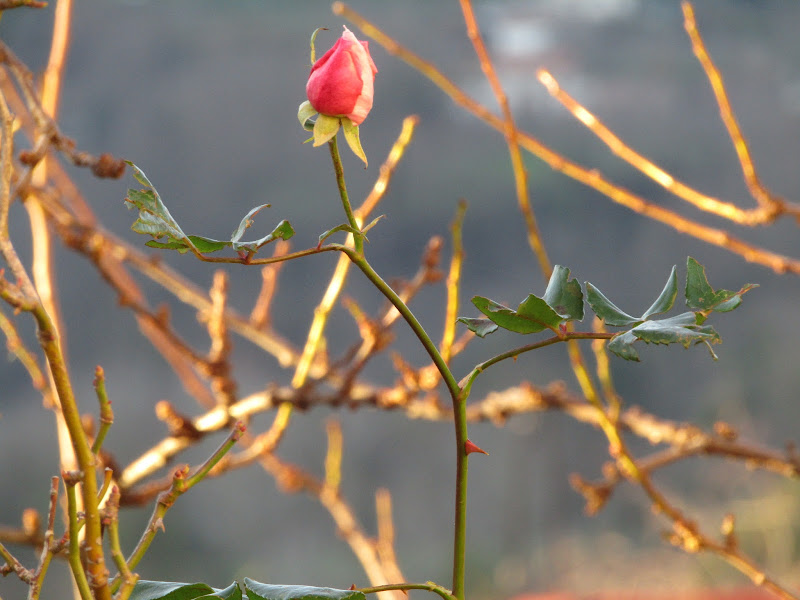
(263,591)
(564,295)
(246,222)
(607,310)
(169,590)
(538,311)
(681,329)
(533,314)
(480,327)
(667,297)
(700,295)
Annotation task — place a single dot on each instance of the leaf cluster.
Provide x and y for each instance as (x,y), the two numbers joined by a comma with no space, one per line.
(253,590)
(155,220)
(563,301)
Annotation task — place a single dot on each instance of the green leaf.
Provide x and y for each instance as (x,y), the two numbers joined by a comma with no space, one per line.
(532,315)
(343,227)
(351,135)
(154,218)
(169,590)
(622,345)
(700,295)
(283,231)
(232,592)
(480,327)
(325,128)
(607,310)
(304,113)
(372,224)
(246,222)
(681,329)
(563,295)
(263,591)
(667,297)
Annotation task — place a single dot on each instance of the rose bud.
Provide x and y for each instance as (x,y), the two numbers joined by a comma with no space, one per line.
(341,81)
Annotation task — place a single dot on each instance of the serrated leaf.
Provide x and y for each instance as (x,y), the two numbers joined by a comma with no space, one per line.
(622,345)
(480,327)
(246,222)
(667,297)
(533,314)
(169,590)
(563,295)
(351,135)
(304,113)
(263,591)
(325,128)
(607,310)
(343,227)
(682,329)
(154,218)
(700,295)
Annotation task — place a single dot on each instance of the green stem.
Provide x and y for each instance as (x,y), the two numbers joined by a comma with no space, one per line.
(459,414)
(429,586)
(466,383)
(358,240)
(82,583)
(48,339)
(106,413)
(181,483)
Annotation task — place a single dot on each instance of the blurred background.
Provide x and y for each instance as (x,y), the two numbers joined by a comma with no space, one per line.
(203,96)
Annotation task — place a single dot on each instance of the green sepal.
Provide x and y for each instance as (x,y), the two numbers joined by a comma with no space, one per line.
(314,37)
(304,113)
(263,591)
(325,128)
(351,135)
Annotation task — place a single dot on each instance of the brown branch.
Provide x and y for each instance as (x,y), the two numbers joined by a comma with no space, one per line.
(589,177)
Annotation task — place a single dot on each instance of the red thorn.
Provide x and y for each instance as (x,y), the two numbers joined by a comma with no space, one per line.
(470,447)
(353,586)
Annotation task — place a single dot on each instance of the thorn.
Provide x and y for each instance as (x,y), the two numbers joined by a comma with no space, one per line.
(352,586)
(470,447)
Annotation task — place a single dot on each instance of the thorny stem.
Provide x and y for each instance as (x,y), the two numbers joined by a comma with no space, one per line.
(459,412)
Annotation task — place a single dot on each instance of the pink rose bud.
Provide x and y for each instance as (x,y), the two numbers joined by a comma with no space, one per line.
(340,82)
